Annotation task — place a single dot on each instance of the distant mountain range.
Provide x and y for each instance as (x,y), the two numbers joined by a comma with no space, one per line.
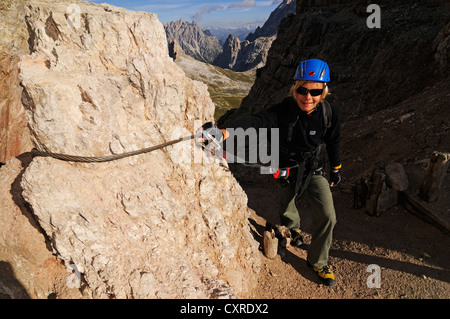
(235,54)
(240,32)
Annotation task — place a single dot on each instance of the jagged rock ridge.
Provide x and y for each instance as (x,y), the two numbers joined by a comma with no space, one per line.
(243,56)
(252,53)
(270,27)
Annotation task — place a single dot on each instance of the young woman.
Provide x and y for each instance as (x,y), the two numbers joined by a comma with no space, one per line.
(306,122)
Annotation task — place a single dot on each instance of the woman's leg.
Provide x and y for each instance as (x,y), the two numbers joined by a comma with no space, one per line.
(288,211)
(323,220)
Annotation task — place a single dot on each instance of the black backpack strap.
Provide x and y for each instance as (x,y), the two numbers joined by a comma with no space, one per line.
(291,129)
(327,114)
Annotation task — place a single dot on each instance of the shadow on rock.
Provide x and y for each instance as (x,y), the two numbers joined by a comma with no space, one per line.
(10,287)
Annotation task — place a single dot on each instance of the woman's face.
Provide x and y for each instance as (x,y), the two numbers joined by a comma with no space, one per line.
(308,102)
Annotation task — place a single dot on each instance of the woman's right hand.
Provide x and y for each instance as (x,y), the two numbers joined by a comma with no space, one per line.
(205,134)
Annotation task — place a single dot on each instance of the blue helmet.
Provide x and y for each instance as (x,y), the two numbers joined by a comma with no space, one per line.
(313,70)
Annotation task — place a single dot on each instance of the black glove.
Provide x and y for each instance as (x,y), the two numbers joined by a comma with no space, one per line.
(207,133)
(335,178)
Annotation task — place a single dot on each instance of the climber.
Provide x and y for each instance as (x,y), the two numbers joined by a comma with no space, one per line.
(306,122)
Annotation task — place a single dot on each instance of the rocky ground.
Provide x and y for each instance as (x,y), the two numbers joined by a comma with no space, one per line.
(412,255)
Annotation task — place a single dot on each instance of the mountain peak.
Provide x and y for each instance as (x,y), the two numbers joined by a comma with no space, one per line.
(201,45)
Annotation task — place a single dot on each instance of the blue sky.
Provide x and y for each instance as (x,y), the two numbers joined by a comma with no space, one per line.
(206,13)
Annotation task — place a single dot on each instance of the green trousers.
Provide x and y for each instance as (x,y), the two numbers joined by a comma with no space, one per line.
(323,217)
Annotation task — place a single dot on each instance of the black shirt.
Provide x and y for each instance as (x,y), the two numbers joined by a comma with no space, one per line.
(299,132)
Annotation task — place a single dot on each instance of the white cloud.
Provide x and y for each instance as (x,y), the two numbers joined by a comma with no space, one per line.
(198,14)
(242,4)
(268,3)
(245,5)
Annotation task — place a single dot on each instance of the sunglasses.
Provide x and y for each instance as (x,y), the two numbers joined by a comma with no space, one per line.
(314,92)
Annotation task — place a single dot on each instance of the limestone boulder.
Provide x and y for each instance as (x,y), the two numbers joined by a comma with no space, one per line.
(168,224)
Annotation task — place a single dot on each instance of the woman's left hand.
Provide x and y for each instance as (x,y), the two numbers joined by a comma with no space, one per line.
(335,178)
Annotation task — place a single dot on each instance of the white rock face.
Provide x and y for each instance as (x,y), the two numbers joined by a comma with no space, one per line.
(106,79)
(167,224)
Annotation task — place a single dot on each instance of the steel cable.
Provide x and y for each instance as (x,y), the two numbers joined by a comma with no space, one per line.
(107,158)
